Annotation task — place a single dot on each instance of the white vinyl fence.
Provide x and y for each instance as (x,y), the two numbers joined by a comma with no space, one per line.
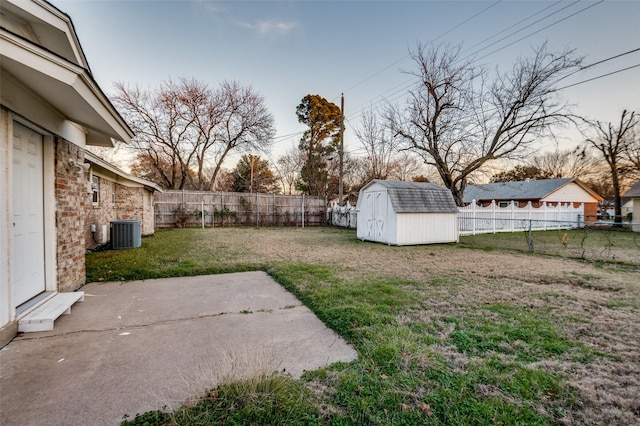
(474,219)
(343,216)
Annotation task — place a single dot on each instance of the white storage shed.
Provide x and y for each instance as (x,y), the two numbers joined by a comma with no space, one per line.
(406,213)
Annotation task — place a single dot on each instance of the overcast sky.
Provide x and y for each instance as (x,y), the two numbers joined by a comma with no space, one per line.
(288,49)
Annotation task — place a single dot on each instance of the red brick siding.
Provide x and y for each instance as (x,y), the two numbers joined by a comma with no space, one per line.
(70,194)
(117,202)
(100,214)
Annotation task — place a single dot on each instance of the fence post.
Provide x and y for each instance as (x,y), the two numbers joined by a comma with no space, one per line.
(493,215)
(303,210)
(202,213)
(513,214)
(473,218)
(257,210)
(222,207)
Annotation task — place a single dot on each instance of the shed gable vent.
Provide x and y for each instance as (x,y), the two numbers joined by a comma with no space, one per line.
(125,234)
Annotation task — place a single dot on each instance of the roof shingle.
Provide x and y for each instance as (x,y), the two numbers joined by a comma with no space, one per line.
(521,190)
(419,197)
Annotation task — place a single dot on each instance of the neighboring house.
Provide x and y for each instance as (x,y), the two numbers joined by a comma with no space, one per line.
(627,207)
(634,194)
(51,108)
(550,191)
(406,213)
(115,195)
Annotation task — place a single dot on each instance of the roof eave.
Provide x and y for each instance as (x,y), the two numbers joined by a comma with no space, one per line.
(94,159)
(49,75)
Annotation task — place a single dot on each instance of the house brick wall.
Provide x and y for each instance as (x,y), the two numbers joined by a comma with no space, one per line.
(136,203)
(71,192)
(100,214)
(116,202)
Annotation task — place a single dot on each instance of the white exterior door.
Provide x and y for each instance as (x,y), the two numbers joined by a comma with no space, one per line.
(380,212)
(370,214)
(28,267)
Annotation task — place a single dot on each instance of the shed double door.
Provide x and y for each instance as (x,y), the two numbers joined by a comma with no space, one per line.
(377,212)
(28,276)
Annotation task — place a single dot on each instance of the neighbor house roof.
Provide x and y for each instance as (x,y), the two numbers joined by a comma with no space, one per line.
(521,190)
(418,197)
(634,191)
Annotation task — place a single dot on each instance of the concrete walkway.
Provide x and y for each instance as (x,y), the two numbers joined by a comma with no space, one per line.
(139,346)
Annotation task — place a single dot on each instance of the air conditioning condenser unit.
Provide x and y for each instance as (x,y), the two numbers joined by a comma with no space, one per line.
(126,234)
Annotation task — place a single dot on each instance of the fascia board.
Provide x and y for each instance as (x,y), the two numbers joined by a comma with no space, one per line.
(75,77)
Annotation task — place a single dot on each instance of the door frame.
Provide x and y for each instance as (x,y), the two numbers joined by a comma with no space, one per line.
(49,200)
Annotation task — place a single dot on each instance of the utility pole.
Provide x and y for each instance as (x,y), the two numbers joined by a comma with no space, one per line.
(340,169)
(251,181)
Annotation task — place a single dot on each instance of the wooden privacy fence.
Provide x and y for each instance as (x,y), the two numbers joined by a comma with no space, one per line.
(205,208)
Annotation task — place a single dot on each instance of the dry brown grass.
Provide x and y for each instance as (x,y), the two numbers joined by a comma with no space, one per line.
(598,307)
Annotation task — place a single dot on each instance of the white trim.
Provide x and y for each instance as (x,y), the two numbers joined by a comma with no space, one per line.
(120,175)
(50,231)
(57,19)
(7,310)
(49,72)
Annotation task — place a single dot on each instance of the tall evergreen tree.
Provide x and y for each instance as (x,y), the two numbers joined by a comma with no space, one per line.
(318,142)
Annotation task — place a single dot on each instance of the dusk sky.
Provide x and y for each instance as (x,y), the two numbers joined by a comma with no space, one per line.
(288,49)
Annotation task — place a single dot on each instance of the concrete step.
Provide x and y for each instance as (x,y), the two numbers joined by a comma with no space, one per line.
(42,317)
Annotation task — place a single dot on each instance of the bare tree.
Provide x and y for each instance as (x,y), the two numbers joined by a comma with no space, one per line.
(183,127)
(613,143)
(377,140)
(567,163)
(246,125)
(405,166)
(632,151)
(458,121)
(288,168)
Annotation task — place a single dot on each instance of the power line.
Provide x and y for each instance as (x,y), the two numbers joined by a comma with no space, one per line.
(512,26)
(597,63)
(437,38)
(600,76)
(408,83)
(542,29)
(403,84)
(570,85)
(524,28)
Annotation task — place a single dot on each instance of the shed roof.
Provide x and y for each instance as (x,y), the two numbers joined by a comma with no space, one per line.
(634,191)
(520,190)
(417,197)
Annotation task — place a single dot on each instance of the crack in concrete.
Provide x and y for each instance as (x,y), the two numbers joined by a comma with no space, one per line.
(169,321)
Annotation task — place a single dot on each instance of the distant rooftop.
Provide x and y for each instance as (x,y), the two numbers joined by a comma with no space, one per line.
(634,191)
(520,190)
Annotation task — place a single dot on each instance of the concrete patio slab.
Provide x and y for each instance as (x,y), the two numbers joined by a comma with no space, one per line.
(139,346)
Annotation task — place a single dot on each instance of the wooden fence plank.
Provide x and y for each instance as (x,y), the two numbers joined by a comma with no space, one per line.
(195,208)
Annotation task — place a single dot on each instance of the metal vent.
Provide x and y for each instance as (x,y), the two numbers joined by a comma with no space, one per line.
(125,234)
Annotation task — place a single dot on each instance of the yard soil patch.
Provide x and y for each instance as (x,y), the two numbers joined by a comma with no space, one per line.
(598,307)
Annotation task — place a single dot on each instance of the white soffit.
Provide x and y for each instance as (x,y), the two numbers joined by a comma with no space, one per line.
(67,87)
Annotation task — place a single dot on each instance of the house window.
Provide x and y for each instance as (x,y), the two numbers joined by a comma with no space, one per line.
(506,203)
(95,190)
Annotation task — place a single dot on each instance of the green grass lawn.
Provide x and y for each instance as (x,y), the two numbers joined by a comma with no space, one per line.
(593,244)
(440,341)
